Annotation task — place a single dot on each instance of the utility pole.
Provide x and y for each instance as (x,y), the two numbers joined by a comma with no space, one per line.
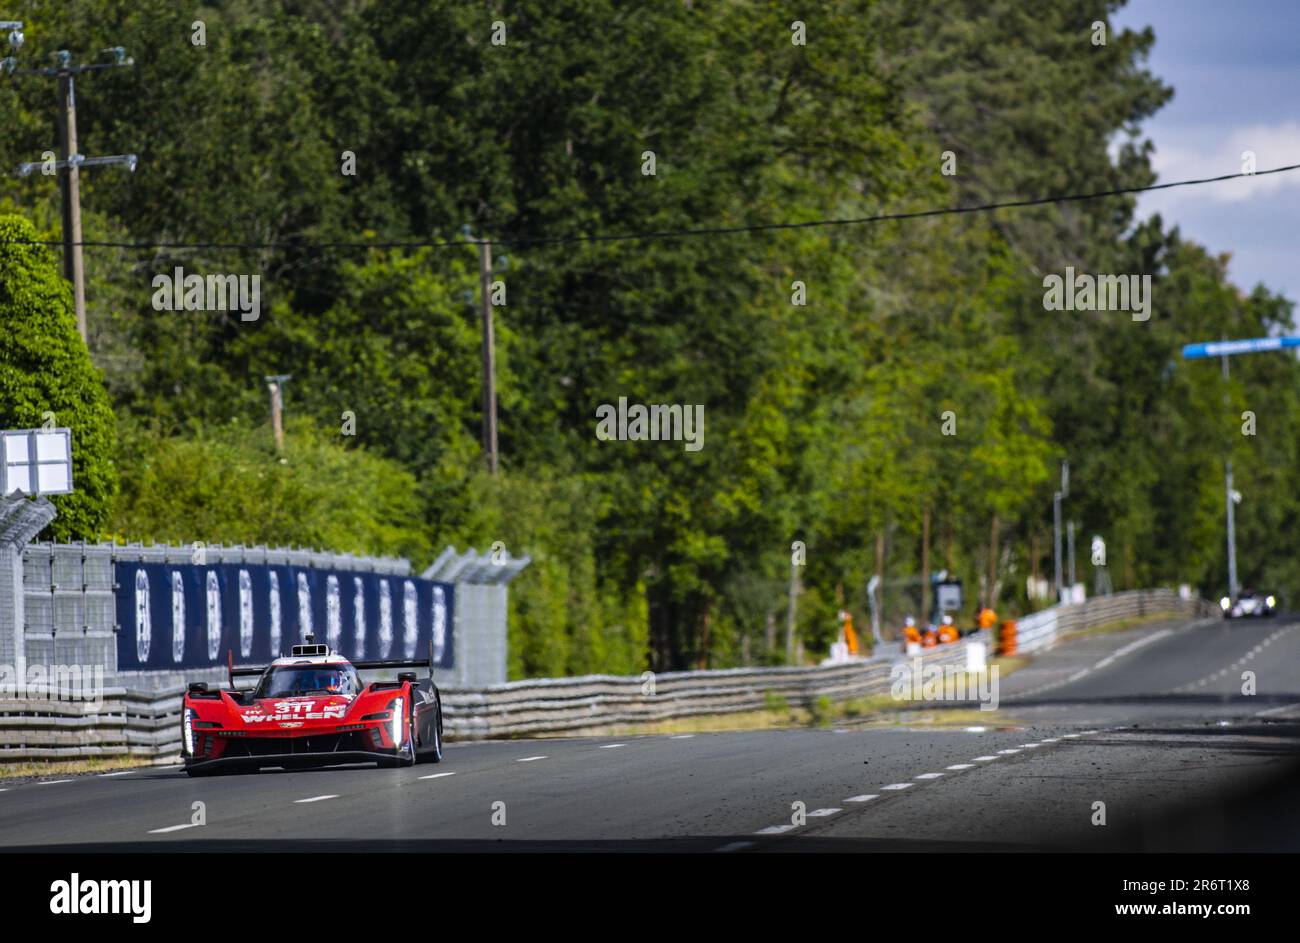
(488,348)
(1056,550)
(1229,500)
(1056,525)
(790,613)
(276,385)
(72,162)
(925,565)
(1069,542)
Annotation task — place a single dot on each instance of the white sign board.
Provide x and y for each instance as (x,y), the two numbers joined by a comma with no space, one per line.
(36,461)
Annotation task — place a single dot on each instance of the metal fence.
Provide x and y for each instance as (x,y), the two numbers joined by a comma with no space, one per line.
(147,723)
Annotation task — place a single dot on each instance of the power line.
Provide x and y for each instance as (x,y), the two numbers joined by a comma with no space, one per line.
(666,233)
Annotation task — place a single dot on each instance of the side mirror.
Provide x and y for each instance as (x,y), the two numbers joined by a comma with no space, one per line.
(407,676)
(198,687)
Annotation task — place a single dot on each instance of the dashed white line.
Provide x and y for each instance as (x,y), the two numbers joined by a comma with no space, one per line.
(866,798)
(171,828)
(929,776)
(1030,746)
(822,813)
(53,782)
(735,846)
(125,772)
(529,759)
(315,799)
(1007,752)
(962,766)
(682,736)
(774,830)
(985,759)
(437,775)
(612,746)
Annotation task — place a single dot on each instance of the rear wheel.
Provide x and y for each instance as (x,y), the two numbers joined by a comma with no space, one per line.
(434,753)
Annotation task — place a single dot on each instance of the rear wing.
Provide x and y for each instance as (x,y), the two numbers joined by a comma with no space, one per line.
(382,665)
(249,671)
(243,671)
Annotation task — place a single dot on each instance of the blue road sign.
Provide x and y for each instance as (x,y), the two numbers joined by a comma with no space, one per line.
(1228,348)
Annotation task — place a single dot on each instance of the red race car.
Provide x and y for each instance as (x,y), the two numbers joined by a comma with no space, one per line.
(312,709)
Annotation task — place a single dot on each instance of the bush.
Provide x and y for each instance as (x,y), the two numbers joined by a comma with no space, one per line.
(227,485)
(46,377)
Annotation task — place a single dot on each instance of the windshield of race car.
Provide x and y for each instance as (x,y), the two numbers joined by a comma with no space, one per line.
(300,681)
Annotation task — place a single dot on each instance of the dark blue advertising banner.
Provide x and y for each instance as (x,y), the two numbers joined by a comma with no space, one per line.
(189,616)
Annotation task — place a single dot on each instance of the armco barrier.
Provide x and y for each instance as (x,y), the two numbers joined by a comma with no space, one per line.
(147,724)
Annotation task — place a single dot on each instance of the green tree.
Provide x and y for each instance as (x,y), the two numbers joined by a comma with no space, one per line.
(46,377)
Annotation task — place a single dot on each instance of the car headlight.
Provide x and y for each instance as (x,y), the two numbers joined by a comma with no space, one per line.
(396,729)
(1224,603)
(1270,602)
(187,727)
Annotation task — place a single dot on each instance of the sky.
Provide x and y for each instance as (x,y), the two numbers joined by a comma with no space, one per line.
(1234,66)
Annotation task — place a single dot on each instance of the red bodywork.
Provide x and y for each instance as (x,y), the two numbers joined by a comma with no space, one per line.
(223,728)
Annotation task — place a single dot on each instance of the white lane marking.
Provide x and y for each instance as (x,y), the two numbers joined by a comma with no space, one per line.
(437,775)
(1274,710)
(822,813)
(682,736)
(1134,646)
(1051,740)
(612,746)
(866,798)
(53,782)
(1030,746)
(315,799)
(125,772)
(929,776)
(4,790)
(899,786)
(976,729)
(529,759)
(985,759)
(774,830)
(1088,733)
(1069,736)
(1007,752)
(735,846)
(1118,653)
(175,766)
(962,766)
(171,828)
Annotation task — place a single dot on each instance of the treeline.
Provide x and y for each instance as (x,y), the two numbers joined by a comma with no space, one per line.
(861,384)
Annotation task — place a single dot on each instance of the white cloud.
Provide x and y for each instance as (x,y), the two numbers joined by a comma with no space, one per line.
(1191,152)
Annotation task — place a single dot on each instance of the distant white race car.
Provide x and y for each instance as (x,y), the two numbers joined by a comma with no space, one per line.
(1249,604)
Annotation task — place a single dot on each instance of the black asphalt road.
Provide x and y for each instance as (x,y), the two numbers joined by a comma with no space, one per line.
(1148,728)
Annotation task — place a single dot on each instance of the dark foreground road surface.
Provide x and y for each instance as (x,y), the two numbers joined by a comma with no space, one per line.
(1148,728)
